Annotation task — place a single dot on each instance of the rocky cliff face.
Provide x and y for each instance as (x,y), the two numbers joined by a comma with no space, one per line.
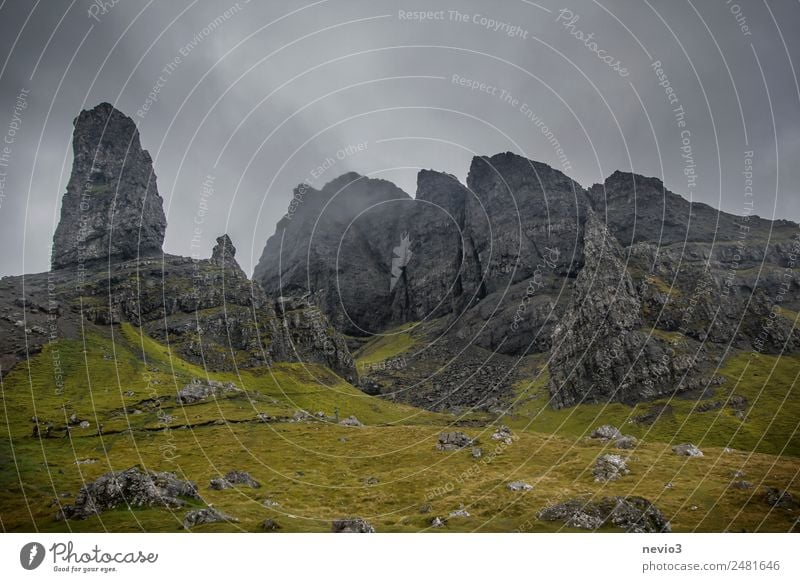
(112,209)
(602,350)
(515,220)
(639,301)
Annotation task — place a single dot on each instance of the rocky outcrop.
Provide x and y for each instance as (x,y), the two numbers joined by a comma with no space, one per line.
(631,514)
(131,488)
(205,309)
(600,351)
(224,255)
(111,210)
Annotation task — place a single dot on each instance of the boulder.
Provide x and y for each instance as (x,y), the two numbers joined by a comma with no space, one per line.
(687,450)
(130,488)
(503,434)
(270,525)
(198,390)
(219,484)
(519,486)
(460,512)
(351,525)
(626,442)
(453,441)
(351,421)
(631,514)
(438,522)
(206,515)
(780,498)
(241,478)
(609,468)
(606,432)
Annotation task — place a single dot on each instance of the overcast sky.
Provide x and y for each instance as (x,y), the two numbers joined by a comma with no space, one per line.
(275,88)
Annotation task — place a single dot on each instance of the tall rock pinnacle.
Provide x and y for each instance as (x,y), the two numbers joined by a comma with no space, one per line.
(111,209)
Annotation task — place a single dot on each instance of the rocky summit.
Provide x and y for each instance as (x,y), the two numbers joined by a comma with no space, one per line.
(112,210)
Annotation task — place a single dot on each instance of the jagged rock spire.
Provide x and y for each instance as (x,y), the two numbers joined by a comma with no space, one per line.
(111,209)
(224,254)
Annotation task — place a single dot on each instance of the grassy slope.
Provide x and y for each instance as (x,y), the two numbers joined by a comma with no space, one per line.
(769,383)
(317,470)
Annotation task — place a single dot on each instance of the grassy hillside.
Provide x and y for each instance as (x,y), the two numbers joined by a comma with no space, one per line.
(384,471)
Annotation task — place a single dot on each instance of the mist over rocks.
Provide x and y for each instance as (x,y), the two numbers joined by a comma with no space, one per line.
(112,209)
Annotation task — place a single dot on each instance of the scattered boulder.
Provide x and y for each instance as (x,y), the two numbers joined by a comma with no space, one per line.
(219,484)
(130,488)
(84,424)
(519,486)
(687,450)
(503,434)
(626,442)
(300,416)
(631,514)
(206,515)
(270,503)
(609,468)
(198,390)
(270,525)
(425,508)
(241,478)
(460,512)
(232,478)
(453,441)
(438,522)
(737,402)
(352,525)
(606,432)
(780,498)
(476,452)
(351,421)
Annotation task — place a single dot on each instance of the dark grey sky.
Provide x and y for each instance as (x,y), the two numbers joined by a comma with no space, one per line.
(275,88)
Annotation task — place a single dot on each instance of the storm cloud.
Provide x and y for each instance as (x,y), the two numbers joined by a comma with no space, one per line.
(258,97)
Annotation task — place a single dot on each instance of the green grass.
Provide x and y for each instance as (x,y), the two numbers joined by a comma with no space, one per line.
(385,347)
(770,384)
(317,470)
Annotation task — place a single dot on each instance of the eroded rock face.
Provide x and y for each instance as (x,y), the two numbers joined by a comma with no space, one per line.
(600,352)
(112,209)
(631,514)
(130,488)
